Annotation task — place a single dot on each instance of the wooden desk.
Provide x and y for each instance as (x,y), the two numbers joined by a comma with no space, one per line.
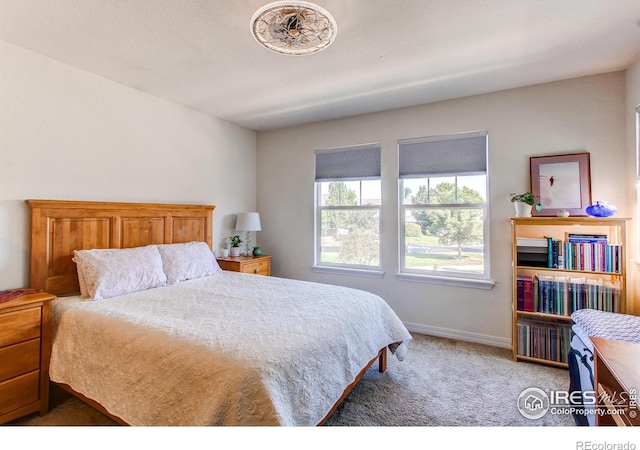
(617,381)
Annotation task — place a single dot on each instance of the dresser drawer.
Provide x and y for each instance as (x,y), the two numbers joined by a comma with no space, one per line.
(19,391)
(19,358)
(261,267)
(19,326)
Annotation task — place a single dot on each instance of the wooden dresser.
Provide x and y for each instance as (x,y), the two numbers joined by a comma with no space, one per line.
(25,349)
(259,265)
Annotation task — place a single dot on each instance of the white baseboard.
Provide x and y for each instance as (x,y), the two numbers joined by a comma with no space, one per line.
(459,335)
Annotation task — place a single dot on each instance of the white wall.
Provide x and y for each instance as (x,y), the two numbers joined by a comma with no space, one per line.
(585,114)
(68,134)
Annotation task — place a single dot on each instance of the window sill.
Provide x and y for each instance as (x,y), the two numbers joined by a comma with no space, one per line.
(346,271)
(472,283)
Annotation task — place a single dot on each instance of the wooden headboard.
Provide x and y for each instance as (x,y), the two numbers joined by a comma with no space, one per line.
(59,227)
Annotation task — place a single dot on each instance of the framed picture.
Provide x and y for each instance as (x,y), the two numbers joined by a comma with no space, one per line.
(561,183)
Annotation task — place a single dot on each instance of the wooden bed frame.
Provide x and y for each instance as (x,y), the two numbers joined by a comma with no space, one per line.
(58,227)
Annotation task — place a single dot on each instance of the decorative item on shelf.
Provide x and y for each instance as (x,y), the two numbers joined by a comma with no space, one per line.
(257,251)
(563,213)
(524,203)
(248,221)
(561,182)
(235,245)
(601,209)
(293,27)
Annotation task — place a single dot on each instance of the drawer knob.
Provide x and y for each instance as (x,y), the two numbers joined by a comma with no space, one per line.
(256,271)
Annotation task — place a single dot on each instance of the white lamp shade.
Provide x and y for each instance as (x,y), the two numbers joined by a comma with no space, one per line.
(248,221)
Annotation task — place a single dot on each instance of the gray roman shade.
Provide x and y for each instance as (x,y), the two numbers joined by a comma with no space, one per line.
(348,163)
(458,154)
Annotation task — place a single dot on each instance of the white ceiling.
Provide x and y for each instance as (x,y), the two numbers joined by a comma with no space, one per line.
(387,54)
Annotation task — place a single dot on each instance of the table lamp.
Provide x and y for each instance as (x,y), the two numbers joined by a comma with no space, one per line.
(248,221)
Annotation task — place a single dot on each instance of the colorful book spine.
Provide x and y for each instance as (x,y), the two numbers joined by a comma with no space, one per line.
(520,292)
(563,295)
(581,252)
(527,290)
(543,340)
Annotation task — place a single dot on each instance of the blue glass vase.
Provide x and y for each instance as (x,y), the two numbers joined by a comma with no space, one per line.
(601,209)
(257,251)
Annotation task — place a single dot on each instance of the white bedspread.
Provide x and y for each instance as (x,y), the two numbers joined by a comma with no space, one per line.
(233,349)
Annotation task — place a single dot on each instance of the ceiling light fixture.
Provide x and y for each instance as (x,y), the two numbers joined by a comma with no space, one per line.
(293,27)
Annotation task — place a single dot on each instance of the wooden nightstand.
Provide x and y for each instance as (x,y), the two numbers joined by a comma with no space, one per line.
(260,265)
(25,349)
(617,377)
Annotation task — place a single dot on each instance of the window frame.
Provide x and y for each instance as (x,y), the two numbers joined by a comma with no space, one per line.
(637,144)
(455,278)
(339,267)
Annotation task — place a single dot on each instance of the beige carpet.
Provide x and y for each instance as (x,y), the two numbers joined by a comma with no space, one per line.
(441,383)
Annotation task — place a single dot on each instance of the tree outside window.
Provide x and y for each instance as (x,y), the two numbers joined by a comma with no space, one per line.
(350,217)
(443,204)
(444,226)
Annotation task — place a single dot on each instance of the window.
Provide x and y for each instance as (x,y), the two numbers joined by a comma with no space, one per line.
(443,206)
(638,145)
(638,173)
(348,199)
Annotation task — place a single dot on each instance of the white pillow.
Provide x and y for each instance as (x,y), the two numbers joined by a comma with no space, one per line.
(105,273)
(188,261)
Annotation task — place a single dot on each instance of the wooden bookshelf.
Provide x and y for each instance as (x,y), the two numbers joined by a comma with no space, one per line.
(593,275)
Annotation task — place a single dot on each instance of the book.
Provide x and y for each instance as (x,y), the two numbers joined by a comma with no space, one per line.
(538,252)
(527,249)
(520,293)
(578,238)
(531,259)
(527,293)
(560,259)
(531,242)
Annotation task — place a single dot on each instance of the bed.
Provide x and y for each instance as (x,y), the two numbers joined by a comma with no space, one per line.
(201,346)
